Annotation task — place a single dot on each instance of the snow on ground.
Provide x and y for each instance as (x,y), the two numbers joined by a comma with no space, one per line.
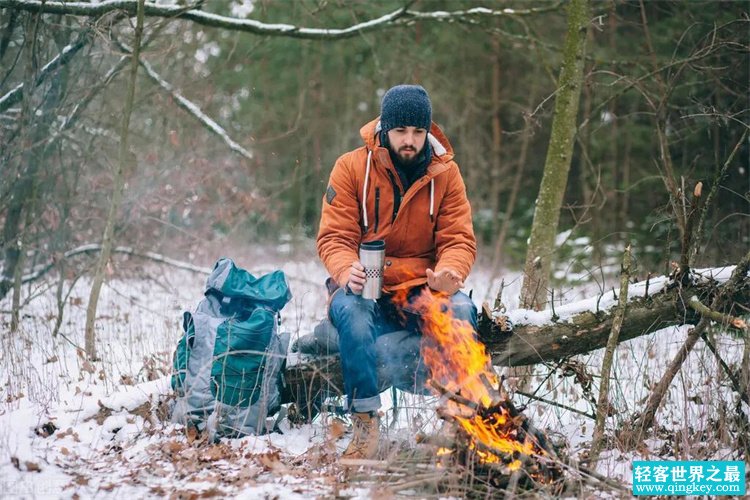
(71,428)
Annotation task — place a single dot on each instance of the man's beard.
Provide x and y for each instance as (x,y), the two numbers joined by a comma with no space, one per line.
(408,160)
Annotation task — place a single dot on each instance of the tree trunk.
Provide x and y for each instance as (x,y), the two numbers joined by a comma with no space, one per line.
(21,194)
(557,164)
(119,183)
(496,173)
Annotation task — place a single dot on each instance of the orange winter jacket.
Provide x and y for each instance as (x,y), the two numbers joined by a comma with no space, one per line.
(428,226)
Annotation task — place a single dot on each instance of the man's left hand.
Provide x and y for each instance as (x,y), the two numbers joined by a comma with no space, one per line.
(445,280)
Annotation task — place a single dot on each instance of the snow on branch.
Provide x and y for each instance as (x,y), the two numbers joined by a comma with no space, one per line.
(397,17)
(64,57)
(95,248)
(82,103)
(194,110)
(71,119)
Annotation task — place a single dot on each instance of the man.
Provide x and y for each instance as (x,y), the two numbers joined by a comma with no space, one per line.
(403,187)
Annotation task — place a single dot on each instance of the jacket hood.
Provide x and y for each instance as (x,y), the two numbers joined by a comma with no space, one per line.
(441,147)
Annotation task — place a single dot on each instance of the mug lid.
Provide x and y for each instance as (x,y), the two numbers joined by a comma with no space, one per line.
(372,245)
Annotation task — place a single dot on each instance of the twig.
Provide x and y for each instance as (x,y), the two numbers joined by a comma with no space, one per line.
(722,318)
(361,462)
(499,298)
(689,238)
(428,478)
(446,414)
(732,376)
(95,248)
(646,419)
(572,464)
(555,317)
(435,440)
(715,188)
(456,398)
(602,405)
(63,58)
(493,393)
(559,405)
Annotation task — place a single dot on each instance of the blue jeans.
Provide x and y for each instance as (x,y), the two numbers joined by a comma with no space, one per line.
(369,365)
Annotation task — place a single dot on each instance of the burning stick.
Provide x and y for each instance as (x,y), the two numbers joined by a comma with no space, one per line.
(456,398)
(493,393)
(449,416)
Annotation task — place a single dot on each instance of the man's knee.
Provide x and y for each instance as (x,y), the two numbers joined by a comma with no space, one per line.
(351,314)
(463,308)
(346,304)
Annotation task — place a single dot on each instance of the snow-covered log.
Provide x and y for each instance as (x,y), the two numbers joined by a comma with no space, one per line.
(551,335)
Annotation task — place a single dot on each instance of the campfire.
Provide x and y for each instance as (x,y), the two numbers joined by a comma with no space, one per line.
(491,434)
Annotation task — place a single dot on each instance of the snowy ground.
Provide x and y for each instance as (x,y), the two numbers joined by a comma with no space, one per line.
(70,428)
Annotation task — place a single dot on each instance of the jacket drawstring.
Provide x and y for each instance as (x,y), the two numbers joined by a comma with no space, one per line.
(364,189)
(364,194)
(432,199)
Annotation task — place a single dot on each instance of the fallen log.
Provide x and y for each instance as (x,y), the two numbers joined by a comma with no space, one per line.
(584,332)
(552,335)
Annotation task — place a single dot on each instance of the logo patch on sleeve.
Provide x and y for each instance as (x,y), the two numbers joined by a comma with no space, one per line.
(330,195)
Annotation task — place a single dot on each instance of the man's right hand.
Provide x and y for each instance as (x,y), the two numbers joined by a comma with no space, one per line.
(356,282)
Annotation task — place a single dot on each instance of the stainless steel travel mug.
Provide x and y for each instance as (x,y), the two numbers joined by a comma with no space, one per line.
(372,258)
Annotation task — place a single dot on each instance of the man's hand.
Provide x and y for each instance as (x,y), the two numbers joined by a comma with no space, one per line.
(356,278)
(446,280)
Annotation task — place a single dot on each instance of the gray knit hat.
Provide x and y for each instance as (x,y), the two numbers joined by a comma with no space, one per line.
(406,106)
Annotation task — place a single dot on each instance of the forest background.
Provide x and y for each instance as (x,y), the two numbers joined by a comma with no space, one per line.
(290,106)
(218,139)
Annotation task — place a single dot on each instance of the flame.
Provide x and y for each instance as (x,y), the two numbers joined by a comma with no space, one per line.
(459,362)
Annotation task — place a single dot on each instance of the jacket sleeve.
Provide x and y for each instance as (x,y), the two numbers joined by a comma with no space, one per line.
(339,234)
(455,243)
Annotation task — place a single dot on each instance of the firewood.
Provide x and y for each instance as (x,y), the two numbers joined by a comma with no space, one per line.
(456,398)
(494,394)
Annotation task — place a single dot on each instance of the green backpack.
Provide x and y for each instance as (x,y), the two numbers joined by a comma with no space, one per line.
(227,365)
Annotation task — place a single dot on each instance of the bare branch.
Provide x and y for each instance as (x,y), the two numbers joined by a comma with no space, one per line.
(194,110)
(602,404)
(724,319)
(64,57)
(397,17)
(715,187)
(96,248)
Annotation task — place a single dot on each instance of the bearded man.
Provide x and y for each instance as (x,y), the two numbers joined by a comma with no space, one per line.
(403,187)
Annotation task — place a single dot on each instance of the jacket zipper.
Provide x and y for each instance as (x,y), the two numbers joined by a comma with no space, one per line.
(377,208)
(408,197)
(396,196)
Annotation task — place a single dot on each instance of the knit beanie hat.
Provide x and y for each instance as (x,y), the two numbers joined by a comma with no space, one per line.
(406,106)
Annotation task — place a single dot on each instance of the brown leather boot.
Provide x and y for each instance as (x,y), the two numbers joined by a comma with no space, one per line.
(364,443)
